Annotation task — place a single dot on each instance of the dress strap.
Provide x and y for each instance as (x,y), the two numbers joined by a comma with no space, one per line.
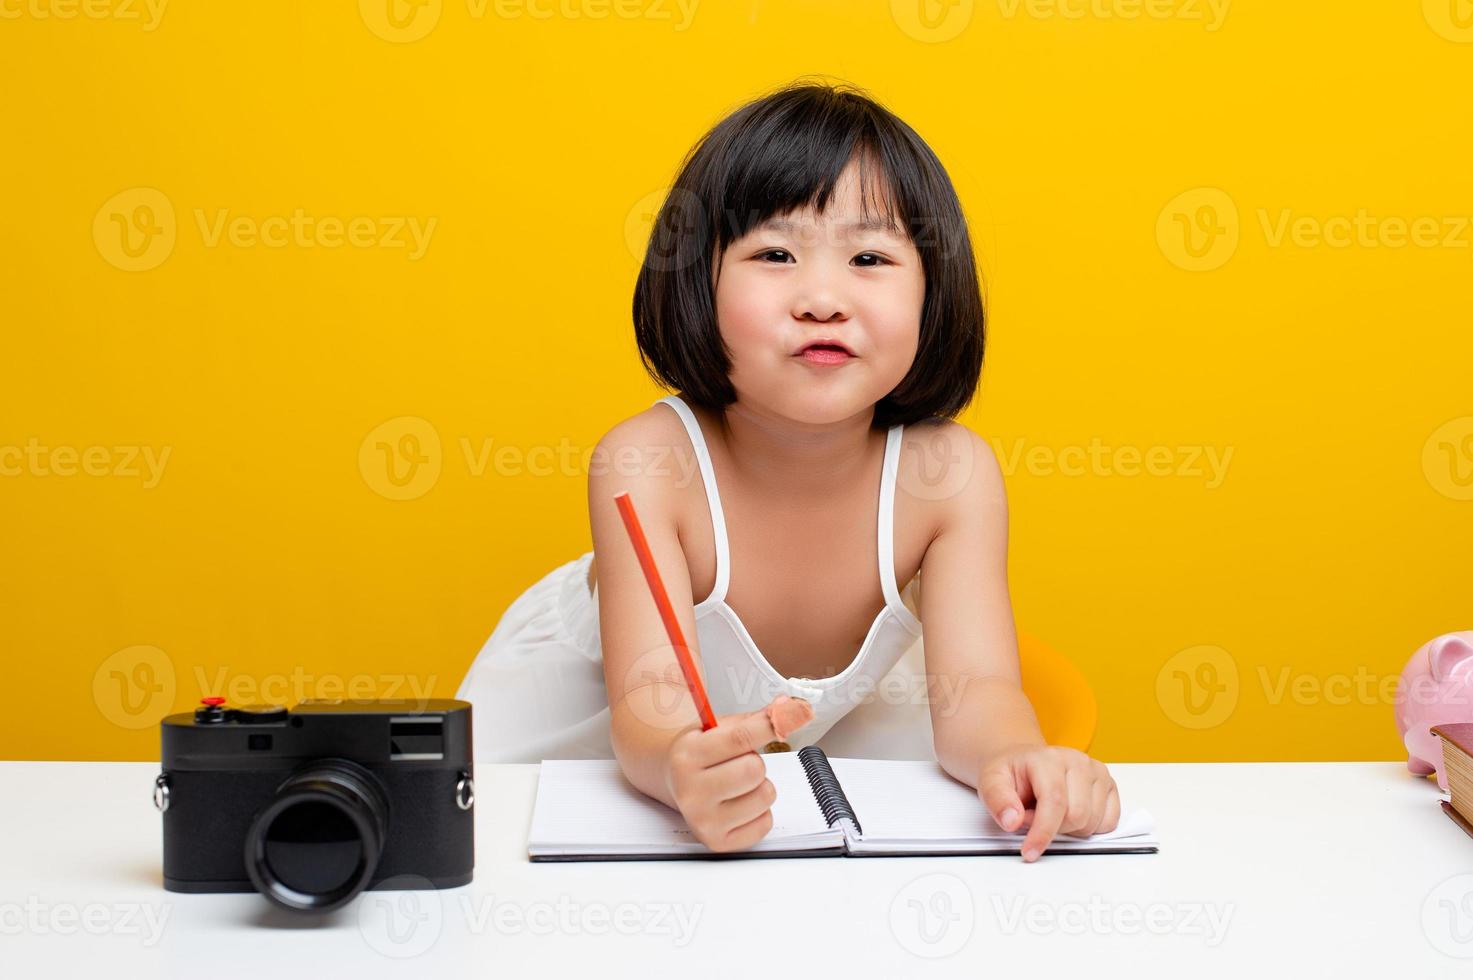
(887,528)
(713,498)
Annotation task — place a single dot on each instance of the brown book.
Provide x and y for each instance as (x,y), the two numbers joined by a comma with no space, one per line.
(1457,764)
(1457,817)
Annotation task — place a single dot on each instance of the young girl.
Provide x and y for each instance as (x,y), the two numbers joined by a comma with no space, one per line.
(810,291)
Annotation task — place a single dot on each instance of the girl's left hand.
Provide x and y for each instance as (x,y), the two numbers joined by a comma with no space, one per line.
(1061,790)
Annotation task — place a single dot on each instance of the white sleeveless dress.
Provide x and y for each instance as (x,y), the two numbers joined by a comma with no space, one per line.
(537,686)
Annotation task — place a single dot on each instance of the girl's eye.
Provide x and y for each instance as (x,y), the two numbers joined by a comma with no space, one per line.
(875,260)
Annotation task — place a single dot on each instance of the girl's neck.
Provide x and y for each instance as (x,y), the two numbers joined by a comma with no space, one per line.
(785,458)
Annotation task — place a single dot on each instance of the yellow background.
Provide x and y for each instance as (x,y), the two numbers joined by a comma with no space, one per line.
(270,556)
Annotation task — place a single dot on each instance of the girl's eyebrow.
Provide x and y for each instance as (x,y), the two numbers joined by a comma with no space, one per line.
(859,224)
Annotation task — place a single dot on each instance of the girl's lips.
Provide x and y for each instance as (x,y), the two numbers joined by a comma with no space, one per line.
(825,355)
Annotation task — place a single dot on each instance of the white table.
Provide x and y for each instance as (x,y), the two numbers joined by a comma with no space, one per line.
(1265,870)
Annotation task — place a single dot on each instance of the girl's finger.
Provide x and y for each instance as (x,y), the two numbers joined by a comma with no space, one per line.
(748,806)
(1079,816)
(1053,803)
(1112,811)
(1099,797)
(1000,796)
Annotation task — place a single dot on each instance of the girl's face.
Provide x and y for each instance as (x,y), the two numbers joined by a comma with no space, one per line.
(803,277)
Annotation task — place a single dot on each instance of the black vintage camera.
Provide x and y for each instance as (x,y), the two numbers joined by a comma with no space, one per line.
(313,805)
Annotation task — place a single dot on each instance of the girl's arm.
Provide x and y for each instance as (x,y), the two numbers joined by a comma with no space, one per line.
(649,704)
(716,778)
(986,733)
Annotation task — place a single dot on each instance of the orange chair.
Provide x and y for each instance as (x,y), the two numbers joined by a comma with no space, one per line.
(1061,695)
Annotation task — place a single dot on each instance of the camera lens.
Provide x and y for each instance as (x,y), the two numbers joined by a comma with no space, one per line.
(316,844)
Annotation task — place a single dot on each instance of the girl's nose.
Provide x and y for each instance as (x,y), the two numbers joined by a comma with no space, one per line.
(819,302)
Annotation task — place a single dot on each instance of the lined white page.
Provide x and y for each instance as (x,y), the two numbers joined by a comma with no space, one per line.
(588,807)
(917,803)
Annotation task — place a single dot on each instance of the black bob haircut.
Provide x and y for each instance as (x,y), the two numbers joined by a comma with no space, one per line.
(778,154)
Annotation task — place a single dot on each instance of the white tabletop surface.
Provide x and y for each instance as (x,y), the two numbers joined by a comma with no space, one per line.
(1265,870)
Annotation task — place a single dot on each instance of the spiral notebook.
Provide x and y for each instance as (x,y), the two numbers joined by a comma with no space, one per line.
(587,810)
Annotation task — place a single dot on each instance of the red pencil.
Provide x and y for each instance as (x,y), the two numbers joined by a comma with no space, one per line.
(667,611)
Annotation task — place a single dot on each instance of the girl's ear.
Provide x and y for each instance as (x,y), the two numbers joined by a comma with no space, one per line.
(1447,654)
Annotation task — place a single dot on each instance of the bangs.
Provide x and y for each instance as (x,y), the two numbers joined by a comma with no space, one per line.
(790,174)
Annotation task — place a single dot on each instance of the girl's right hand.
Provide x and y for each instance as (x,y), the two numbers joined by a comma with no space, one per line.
(719,780)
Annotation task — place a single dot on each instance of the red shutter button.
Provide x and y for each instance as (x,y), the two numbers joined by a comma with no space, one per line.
(212,711)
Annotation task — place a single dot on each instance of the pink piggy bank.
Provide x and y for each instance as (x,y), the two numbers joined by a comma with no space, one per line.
(1436,689)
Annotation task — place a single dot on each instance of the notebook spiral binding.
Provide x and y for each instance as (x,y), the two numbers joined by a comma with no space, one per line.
(826,788)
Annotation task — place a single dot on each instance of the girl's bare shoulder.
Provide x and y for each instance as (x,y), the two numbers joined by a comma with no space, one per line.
(650,456)
(643,444)
(945,469)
